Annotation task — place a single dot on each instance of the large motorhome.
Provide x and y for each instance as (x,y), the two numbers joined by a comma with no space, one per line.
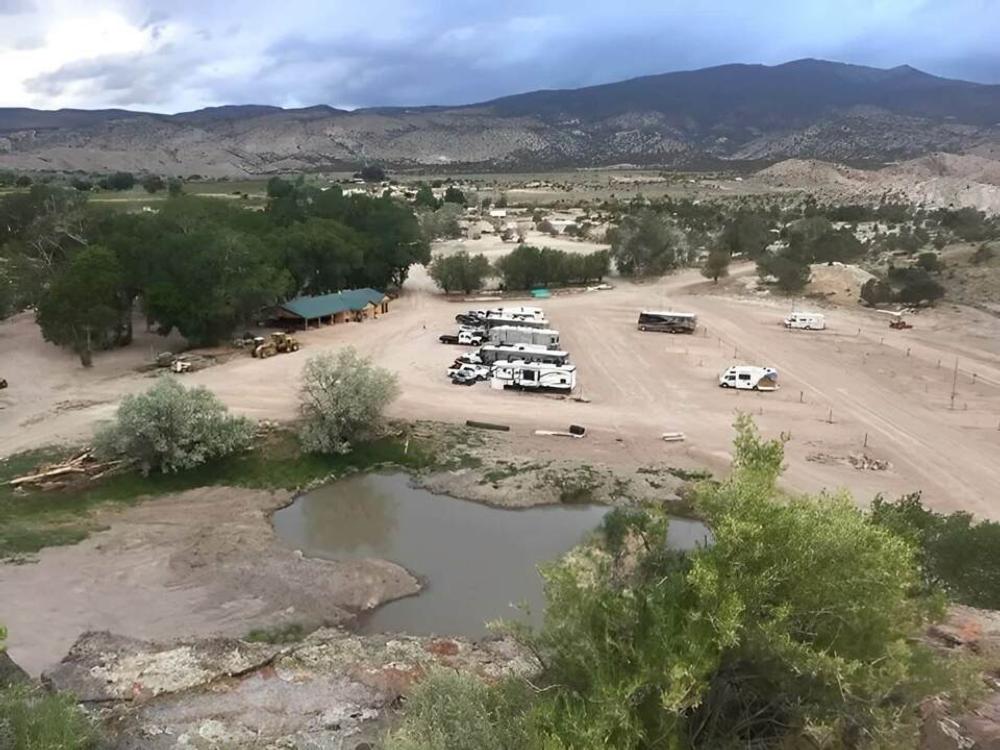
(536,376)
(806,321)
(750,378)
(546,337)
(491,353)
(667,321)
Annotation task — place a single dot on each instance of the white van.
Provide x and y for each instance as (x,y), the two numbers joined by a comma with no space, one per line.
(750,378)
(806,321)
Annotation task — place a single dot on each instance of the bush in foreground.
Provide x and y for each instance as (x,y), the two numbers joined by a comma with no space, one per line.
(343,397)
(797,626)
(172,428)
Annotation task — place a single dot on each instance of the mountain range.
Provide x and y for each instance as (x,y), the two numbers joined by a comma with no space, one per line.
(725,115)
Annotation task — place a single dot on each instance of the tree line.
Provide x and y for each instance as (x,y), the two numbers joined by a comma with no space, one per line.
(525,267)
(200,266)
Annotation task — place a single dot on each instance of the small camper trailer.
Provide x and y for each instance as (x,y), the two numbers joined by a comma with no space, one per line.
(750,378)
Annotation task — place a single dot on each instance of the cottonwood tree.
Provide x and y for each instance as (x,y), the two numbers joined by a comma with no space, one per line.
(171,428)
(644,245)
(460,271)
(83,304)
(716,265)
(342,400)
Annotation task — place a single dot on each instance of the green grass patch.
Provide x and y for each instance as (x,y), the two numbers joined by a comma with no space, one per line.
(292,632)
(33,519)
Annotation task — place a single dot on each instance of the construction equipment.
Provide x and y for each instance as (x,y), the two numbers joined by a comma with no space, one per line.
(897,321)
(278,343)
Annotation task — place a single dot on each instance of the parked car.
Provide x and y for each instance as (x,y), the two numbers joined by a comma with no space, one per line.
(479,372)
(464,378)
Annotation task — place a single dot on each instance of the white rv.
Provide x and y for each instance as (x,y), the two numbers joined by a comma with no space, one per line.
(750,378)
(523,335)
(491,353)
(491,321)
(806,321)
(535,376)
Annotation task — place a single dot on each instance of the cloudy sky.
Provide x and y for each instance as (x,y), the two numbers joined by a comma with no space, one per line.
(177,55)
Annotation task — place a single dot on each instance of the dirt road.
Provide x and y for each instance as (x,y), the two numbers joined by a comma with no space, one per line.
(838,386)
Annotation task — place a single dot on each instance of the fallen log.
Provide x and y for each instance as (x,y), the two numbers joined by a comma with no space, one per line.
(487,425)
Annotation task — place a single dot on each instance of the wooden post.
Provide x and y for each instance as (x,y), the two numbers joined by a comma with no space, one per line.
(829,419)
(954,385)
(801,397)
(866,440)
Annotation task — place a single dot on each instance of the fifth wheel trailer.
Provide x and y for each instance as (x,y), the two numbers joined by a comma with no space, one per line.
(521,335)
(491,353)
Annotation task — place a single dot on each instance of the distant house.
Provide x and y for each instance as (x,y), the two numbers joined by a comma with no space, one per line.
(350,305)
(498,213)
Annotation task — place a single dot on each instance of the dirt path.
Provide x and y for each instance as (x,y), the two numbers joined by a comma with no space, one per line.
(200,563)
(640,385)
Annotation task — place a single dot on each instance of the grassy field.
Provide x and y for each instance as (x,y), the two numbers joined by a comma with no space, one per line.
(30,520)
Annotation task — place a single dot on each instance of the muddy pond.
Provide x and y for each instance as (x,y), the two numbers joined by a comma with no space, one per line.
(475,562)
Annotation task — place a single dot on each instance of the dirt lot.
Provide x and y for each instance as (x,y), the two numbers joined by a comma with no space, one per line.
(639,385)
(203,562)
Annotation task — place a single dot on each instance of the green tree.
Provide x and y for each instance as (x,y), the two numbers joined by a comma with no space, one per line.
(22,181)
(425,197)
(372,173)
(643,245)
(118,181)
(454,195)
(716,265)
(170,428)
(930,262)
(322,255)
(790,274)
(153,183)
(459,272)
(342,399)
(82,306)
(175,187)
(747,234)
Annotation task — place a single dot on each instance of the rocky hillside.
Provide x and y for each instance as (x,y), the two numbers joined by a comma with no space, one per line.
(730,113)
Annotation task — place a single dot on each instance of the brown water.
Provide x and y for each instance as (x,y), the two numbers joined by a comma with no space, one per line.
(476,562)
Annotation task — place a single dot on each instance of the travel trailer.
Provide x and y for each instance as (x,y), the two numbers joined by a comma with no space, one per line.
(667,321)
(491,321)
(750,378)
(535,376)
(491,353)
(521,335)
(806,321)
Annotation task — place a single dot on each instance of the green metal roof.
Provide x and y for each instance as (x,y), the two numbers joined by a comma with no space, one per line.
(331,304)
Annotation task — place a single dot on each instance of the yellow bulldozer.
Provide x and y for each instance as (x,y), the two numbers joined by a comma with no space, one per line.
(276,343)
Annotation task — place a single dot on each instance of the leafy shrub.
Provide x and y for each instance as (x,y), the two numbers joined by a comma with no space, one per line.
(459,712)
(914,284)
(342,399)
(31,719)
(957,554)
(929,262)
(171,428)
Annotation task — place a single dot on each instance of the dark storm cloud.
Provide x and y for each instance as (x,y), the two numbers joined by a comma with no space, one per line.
(406,52)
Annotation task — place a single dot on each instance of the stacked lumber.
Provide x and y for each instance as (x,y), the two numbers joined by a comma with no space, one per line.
(51,476)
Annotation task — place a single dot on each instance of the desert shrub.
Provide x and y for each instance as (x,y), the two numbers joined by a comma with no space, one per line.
(983,253)
(958,555)
(32,719)
(172,428)
(797,621)
(460,712)
(929,262)
(342,399)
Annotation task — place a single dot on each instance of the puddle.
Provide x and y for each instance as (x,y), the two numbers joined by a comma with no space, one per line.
(476,562)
